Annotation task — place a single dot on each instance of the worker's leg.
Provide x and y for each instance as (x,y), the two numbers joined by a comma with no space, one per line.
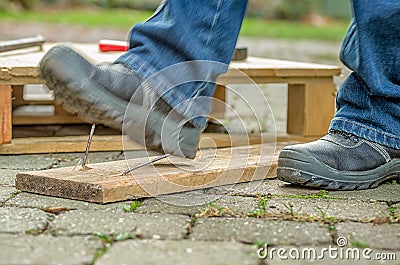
(173,62)
(181,31)
(362,148)
(368,102)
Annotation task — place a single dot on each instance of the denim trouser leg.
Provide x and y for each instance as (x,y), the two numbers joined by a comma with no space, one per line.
(182,31)
(369,100)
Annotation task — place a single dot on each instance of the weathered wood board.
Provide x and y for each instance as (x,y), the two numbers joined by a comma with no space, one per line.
(70,144)
(21,67)
(103,183)
(5,114)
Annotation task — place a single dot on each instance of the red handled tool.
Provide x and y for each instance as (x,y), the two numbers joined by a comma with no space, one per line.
(113,46)
(122,46)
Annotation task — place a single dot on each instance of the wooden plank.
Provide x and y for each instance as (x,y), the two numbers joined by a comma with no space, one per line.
(5,114)
(22,67)
(254,67)
(311,107)
(46,119)
(298,138)
(17,95)
(18,103)
(70,144)
(103,182)
(296,109)
(320,107)
(218,108)
(19,100)
(269,79)
(59,110)
(66,144)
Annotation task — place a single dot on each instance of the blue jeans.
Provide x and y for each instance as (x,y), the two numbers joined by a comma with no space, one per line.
(368,103)
(181,31)
(186,30)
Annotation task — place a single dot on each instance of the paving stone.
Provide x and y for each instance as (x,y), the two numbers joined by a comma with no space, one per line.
(235,203)
(251,230)
(19,220)
(47,250)
(320,255)
(268,186)
(158,226)
(27,162)
(178,252)
(71,159)
(6,193)
(190,198)
(25,199)
(383,236)
(154,205)
(7,177)
(238,203)
(386,192)
(340,209)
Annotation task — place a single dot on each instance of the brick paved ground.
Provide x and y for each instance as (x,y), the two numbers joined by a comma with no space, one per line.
(227,231)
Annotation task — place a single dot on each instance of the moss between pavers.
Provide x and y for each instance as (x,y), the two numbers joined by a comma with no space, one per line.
(132,206)
(108,240)
(6,194)
(305,210)
(322,194)
(234,203)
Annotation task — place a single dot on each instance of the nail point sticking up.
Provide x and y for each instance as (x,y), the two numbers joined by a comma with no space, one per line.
(85,157)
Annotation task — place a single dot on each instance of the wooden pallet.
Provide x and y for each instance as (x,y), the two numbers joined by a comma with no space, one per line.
(103,182)
(311,90)
(77,144)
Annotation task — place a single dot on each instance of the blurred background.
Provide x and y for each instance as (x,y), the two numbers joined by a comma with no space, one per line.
(66,20)
(280,9)
(301,30)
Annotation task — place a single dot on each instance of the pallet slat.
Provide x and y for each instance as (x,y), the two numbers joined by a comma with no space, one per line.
(5,114)
(71,144)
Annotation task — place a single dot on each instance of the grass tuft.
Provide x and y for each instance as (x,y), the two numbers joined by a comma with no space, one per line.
(128,208)
(126,18)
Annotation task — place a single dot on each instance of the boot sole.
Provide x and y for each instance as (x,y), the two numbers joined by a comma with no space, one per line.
(95,104)
(301,167)
(90,102)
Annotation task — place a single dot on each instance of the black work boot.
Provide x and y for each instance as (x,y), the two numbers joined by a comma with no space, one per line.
(339,161)
(102,93)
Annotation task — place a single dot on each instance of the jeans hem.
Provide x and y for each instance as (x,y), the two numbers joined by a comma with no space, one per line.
(366,132)
(145,71)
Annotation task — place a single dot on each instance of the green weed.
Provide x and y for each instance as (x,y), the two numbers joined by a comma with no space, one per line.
(128,208)
(213,210)
(358,244)
(261,208)
(322,194)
